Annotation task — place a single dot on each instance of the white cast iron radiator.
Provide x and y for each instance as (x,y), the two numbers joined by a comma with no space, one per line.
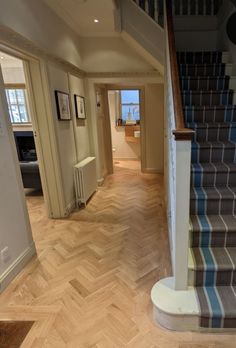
(85,179)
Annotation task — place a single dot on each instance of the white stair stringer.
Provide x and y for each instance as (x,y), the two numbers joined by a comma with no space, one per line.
(142,33)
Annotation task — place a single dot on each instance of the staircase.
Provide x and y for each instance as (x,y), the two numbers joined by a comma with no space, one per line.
(209,110)
(201,294)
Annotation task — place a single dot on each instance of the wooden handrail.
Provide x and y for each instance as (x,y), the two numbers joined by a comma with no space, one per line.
(181,132)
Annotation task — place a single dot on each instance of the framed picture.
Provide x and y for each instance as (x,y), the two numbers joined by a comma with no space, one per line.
(79,106)
(63,105)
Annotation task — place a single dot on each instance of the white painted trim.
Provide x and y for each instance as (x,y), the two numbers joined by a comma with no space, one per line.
(178,310)
(41,109)
(182,202)
(175,310)
(35,128)
(16,267)
(41,88)
(100,181)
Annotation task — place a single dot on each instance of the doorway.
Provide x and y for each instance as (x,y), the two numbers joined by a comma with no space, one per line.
(125,124)
(20,111)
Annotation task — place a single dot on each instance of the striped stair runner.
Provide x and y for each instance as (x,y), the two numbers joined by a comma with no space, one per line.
(209,110)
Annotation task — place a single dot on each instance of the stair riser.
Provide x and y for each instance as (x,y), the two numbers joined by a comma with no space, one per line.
(210,99)
(213,179)
(205,155)
(209,116)
(202,70)
(199,57)
(215,239)
(212,206)
(205,84)
(212,278)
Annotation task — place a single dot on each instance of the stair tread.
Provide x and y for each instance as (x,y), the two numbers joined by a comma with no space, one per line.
(213,223)
(214,258)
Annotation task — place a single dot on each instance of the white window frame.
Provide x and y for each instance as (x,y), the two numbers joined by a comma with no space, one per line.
(17,104)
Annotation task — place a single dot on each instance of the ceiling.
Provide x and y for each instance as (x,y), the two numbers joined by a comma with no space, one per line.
(80,15)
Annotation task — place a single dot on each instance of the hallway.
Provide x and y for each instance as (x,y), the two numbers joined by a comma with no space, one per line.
(90,285)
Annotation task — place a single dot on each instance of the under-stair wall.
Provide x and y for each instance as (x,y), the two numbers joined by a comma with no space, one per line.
(142,32)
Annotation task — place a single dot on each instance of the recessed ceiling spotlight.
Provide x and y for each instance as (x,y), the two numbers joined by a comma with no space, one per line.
(2,57)
(96,20)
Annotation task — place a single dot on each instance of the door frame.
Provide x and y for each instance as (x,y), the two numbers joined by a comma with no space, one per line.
(37,85)
(141,88)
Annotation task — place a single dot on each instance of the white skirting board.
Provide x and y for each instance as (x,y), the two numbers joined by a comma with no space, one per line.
(16,267)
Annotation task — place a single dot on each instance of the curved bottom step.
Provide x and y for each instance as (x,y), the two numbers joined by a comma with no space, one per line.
(178,310)
(175,310)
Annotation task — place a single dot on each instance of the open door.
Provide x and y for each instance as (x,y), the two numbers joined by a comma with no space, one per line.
(16,242)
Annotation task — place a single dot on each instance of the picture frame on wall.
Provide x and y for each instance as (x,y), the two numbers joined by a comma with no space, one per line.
(80,106)
(63,106)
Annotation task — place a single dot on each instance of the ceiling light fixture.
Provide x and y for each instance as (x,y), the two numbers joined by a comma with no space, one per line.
(96,20)
(2,57)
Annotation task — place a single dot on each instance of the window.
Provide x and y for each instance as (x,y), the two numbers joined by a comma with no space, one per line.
(16,99)
(130,105)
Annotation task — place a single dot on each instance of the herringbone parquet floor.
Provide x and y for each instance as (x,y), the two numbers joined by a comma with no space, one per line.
(90,283)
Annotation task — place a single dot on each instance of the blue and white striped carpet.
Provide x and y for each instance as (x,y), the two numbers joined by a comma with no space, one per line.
(209,110)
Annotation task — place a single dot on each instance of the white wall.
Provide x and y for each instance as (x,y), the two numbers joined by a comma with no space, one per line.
(121,148)
(147,34)
(154,127)
(195,33)
(72,136)
(59,80)
(37,22)
(81,127)
(154,105)
(110,54)
(15,232)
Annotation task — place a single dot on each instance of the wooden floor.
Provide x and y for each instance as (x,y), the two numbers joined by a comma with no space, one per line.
(13,333)
(90,284)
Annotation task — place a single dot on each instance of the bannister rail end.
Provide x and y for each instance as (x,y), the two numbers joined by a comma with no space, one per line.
(183,134)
